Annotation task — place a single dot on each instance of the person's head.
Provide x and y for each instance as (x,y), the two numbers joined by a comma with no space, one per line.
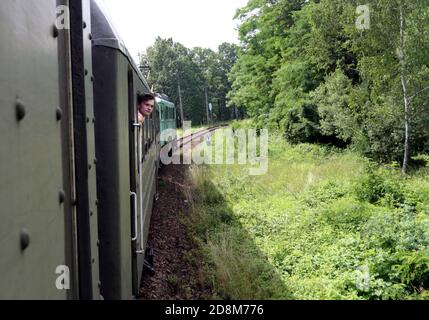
(145,104)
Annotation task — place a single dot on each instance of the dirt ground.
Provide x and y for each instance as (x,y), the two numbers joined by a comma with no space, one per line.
(176,263)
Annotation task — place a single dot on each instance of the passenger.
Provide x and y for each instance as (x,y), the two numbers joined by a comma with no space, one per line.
(145,106)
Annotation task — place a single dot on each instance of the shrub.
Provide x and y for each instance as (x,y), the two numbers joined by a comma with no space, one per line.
(377,185)
(347,213)
(325,192)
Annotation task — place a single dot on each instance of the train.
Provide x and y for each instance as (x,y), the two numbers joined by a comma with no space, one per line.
(167,115)
(78,171)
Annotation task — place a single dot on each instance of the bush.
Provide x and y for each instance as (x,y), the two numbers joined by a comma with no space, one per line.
(412,268)
(347,213)
(408,269)
(302,124)
(378,185)
(321,224)
(325,192)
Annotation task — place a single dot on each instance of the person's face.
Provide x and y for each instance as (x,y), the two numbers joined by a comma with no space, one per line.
(146,108)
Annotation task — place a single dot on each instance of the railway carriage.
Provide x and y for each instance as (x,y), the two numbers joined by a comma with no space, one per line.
(49,214)
(167,115)
(127,161)
(78,174)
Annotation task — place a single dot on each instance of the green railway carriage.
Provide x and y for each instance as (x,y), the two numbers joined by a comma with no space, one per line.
(47,152)
(127,154)
(78,174)
(167,115)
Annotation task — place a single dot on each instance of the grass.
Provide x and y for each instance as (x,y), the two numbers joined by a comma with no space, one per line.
(322,223)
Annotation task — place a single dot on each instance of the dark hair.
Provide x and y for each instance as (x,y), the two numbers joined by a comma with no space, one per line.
(141,98)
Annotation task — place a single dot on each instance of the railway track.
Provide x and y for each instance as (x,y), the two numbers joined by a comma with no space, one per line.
(193,137)
(174,277)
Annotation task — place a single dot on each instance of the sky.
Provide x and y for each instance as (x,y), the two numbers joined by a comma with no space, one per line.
(194,23)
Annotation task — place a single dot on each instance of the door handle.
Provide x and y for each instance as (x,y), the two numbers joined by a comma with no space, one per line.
(133,194)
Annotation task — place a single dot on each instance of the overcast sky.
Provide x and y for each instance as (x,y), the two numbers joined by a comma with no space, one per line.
(203,23)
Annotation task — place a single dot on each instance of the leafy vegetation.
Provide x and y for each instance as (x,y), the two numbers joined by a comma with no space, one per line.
(187,75)
(306,69)
(323,223)
(343,212)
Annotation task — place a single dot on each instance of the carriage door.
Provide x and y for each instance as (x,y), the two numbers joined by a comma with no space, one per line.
(136,152)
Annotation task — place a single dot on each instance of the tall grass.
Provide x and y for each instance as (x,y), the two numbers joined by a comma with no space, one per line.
(322,223)
(232,258)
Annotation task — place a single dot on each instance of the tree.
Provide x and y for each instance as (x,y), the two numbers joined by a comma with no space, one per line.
(186,74)
(393,55)
(305,67)
(172,70)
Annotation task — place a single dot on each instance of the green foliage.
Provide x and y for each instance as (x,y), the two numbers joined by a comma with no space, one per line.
(412,269)
(302,124)
(323,223)
(197,70)
(423,158)
(306,69)
(221,237)
(377,185)
(324,192)
(346,213)
(332,99)
(243,124)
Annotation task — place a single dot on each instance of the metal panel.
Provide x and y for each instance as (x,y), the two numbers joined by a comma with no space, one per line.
(149,183)
(32,229)
(66,107)
(124,174)
(142,192)
(83,115)
(113,169)
(135,136)
(92,176)
(117,169)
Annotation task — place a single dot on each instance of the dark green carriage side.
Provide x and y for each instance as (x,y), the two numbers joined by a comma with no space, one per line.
(127,160)
(167,117)
(43,147)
